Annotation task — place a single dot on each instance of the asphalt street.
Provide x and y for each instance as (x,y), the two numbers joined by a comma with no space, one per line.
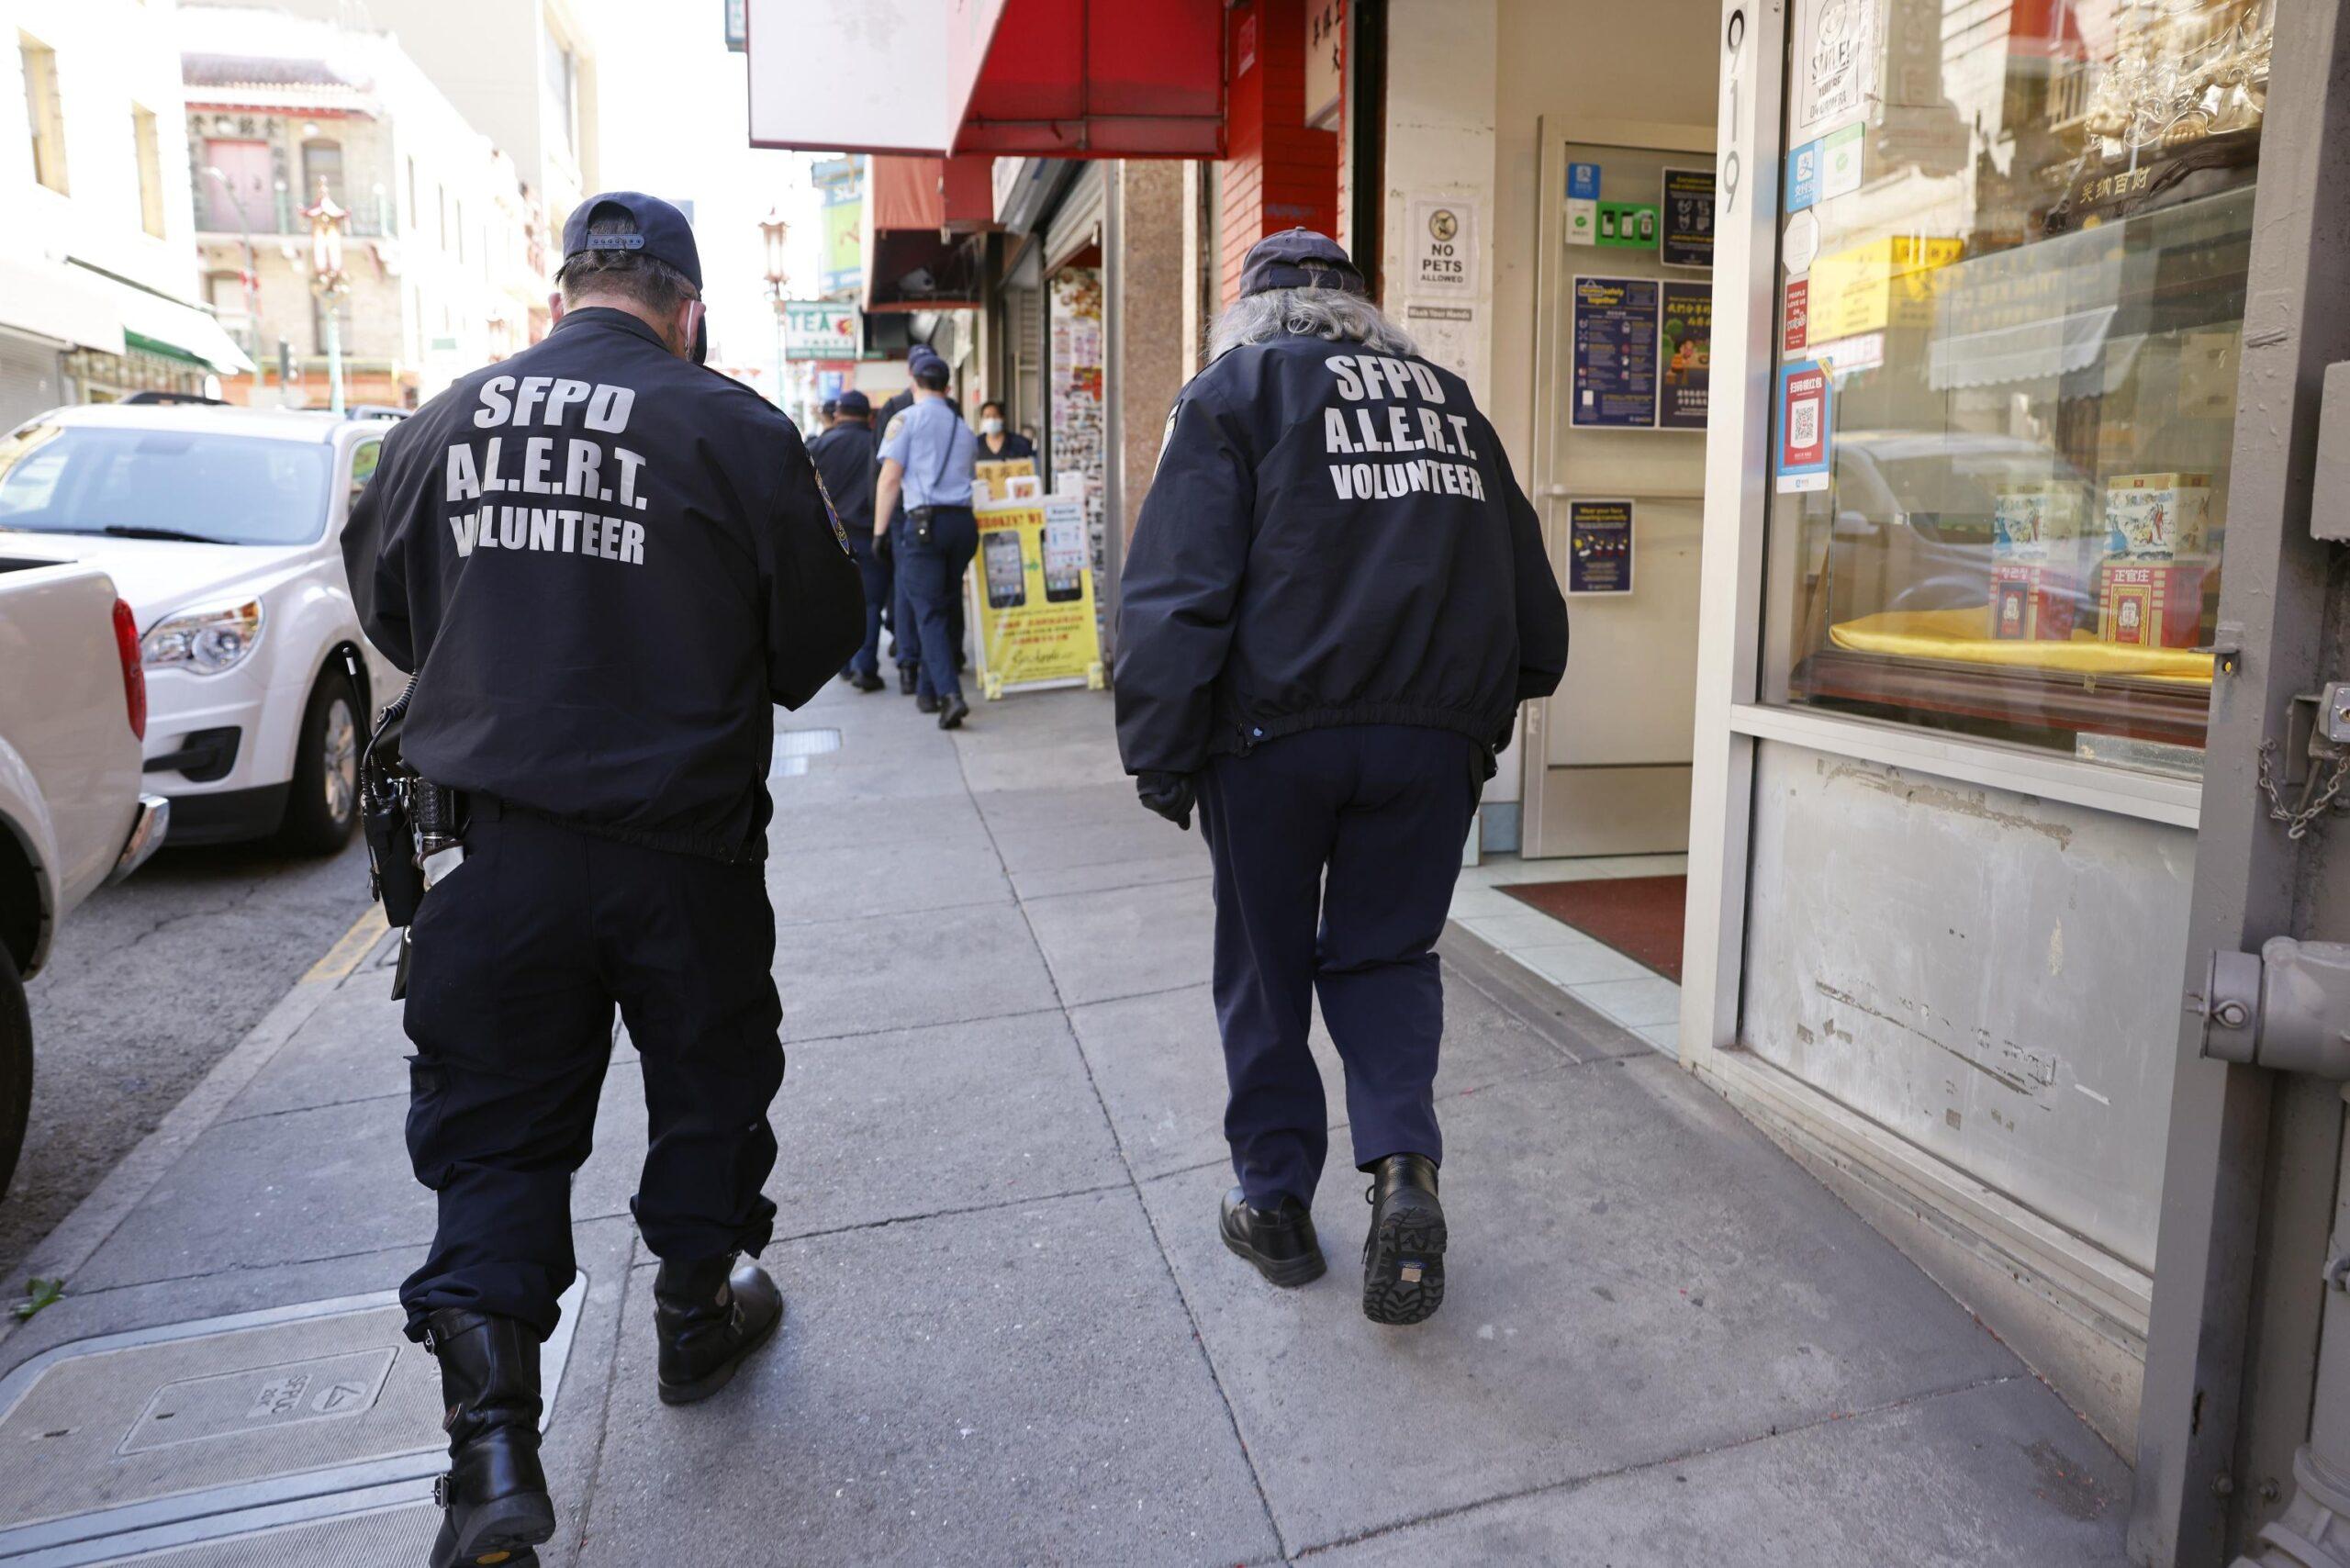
(150,983)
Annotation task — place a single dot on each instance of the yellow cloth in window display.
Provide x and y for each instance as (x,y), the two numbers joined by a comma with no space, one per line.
(1965,636)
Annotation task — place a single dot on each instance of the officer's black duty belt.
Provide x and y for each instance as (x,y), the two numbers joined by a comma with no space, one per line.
(479,806)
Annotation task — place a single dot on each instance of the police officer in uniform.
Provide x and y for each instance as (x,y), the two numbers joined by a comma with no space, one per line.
(927,454)
(602,564)
(906,637)
(844,459)
(1336,599)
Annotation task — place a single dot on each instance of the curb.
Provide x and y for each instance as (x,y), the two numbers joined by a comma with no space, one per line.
(62,1252)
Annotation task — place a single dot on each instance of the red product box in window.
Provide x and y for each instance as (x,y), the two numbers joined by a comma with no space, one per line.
(2151,604)
(2033,602)
(2038,570)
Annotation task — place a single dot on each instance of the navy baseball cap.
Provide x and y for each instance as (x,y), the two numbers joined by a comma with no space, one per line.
(1299,258)
(856,404)
(662,231)
(920,357)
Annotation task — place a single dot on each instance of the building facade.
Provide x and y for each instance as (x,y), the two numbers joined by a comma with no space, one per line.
(445,255)
(543,119)
(98,284)
(1923,401)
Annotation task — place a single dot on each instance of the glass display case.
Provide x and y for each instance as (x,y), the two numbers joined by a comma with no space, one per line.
(2013,288)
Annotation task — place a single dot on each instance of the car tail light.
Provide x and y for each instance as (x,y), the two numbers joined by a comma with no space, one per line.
(134,677)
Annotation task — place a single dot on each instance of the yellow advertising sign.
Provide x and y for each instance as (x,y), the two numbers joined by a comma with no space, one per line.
(994,472)
(1032,590)
(1886,282)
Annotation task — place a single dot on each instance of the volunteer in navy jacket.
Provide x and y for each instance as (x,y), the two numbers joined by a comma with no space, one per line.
(1336,599)
(604,565)
(843,455)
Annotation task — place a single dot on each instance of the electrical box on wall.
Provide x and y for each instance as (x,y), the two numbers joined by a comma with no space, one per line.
(2330,495)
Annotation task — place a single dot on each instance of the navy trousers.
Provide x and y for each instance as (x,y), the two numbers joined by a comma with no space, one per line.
(873,566)
(905,635)
(518,959)
(933,574)
(1334,853)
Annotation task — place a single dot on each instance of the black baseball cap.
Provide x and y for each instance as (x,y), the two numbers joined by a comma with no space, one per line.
(854,404)
(1299,258)
(662,231)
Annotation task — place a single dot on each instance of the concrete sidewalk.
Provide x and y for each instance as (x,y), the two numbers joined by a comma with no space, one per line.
(1013,1337)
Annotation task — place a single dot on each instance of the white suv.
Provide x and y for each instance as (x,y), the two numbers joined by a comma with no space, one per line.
(220,526)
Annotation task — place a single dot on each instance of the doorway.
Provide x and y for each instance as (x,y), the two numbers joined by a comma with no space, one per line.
(1623,304)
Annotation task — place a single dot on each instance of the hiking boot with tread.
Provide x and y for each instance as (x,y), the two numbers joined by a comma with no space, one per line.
(1402,1255)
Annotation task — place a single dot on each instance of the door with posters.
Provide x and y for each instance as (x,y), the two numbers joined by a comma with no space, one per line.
(1623,359)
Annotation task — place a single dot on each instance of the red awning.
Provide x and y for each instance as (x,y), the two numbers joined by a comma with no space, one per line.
(953,194)
(919,213)
(1042,78)
(1101,79)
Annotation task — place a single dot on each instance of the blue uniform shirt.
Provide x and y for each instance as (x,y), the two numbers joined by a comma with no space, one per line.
(936,449)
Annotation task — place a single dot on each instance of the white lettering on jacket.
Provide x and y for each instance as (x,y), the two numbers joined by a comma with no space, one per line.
(566,467)
(1385,409)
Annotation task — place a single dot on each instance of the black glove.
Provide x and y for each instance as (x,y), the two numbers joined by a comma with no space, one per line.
(1168,794)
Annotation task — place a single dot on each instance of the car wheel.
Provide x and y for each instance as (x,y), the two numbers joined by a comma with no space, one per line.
(322,803)
(16,1068)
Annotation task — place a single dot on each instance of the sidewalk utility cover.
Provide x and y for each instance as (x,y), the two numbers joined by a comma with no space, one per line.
(198,1432)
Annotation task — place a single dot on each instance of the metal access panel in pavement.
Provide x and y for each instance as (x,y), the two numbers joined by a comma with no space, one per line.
(299,1430)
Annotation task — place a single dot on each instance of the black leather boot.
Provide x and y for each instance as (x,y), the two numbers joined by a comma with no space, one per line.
(494,1499)
(1279,1241)
(906,679)
(925,703)
(952,711)
(1403,1258)
(710,1316)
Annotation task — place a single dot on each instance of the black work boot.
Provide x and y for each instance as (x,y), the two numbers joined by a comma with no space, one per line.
(1403,1258)
(925,703)
(1279,1241)
(494,1499)
(710,1316)
(952,711)
(906,680)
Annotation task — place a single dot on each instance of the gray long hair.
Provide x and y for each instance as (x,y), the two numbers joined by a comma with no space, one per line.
(1307,313)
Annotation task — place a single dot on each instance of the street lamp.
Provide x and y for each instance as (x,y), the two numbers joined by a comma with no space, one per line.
(774,231)
(329,282)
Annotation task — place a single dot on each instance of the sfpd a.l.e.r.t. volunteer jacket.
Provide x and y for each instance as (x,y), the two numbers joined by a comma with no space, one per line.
(603,563)
(1334,536)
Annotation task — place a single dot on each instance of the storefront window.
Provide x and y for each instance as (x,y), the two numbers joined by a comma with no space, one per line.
(2011,323)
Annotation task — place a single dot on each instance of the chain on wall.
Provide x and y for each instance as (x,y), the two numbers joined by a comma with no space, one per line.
(2320,792)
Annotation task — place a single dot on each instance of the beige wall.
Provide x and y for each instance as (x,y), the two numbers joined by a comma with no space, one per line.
(1649,62)
(1441,58)
(1467,82)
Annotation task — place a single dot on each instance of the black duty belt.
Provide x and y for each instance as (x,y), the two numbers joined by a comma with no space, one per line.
(701,846)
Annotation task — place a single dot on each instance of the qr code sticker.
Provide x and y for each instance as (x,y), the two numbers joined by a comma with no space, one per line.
(1802,424)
